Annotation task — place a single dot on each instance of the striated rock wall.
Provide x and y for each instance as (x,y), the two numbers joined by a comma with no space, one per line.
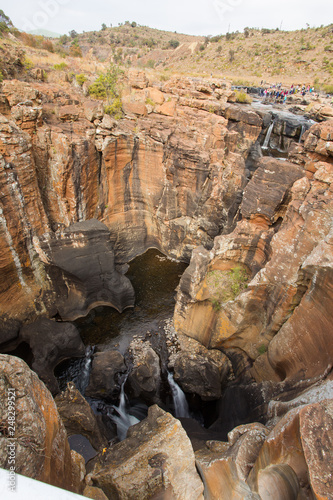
(278,261)
(41,448)
(169,175)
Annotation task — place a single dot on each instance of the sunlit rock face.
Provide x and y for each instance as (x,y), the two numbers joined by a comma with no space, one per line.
(41,448)
(171,177)
(157,467)
(273,272)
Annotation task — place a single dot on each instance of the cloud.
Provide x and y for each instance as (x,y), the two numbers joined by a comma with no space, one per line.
(185,16)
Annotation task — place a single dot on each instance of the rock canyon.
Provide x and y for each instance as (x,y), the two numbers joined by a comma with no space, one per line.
(250,343)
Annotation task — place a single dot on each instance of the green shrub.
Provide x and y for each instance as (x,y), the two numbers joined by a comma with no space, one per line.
(173,44)
(106,85)
(225,285)
(262,349)
(81,78)
(328,88)
(61,66)
(243,97)
(28,64)
(1,76)
(114,109)
(150,63)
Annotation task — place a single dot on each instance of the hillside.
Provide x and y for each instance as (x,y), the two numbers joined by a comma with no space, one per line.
(304,56)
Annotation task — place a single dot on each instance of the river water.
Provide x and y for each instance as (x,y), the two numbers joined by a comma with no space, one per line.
(154,278)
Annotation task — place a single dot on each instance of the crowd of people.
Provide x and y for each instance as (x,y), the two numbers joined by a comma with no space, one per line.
(279,94)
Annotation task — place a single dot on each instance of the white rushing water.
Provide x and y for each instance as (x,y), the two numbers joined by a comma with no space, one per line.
(268,136)
(85,375)
(179,399)
(120,415)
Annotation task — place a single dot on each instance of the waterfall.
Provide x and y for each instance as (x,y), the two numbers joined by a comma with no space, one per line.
(85,373)
(179,399)
(121,417)
(302,132)
(268,136)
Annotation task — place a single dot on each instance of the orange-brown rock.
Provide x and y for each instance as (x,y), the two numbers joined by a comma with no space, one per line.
(172,182)
(40,440)
(68,113)
(147,463)
(134,107)
(294,441)
(290,287)
(167,109)
(155,95)
(225,472)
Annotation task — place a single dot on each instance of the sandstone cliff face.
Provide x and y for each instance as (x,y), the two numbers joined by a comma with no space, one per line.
(41,447)
(169,175)
(282,252)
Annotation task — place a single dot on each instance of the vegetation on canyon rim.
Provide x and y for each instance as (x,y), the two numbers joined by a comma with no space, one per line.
(225,285)
(305,55)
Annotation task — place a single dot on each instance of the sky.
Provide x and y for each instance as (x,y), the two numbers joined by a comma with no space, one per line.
(196,17)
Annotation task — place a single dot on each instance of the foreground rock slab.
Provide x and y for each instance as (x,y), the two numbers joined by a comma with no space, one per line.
(156,459)
(41,448)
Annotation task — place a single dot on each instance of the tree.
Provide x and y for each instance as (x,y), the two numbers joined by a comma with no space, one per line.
(133,24)
(106,85)
(173,43)
(72,34)
(103,26)
(5,22)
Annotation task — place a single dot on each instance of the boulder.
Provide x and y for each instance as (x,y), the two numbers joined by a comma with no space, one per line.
(69,112)
(17,91)
(93,110)
(279,482)
(134,107)
(137,79)
(78,416)
(40,440)
(266,192)
(155,459)
(51,343)
(81,267)
(102,382)
(78,472)
(155,95)
(199,370)
(295,441)
(144,379)
(220,478)
(167,109)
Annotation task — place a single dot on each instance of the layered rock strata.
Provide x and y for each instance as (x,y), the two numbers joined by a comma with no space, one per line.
(269,279)
(39,438)
(170,176)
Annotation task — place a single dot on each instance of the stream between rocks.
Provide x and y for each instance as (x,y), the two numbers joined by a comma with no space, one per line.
(154,278)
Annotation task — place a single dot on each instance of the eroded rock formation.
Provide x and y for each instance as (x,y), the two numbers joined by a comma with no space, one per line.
(156,465)
(40,440)
(171,177)
(270,272)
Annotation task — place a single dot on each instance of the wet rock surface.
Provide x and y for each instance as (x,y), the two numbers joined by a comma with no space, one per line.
(157,466)
(103,381)
(51,343)
(78,416)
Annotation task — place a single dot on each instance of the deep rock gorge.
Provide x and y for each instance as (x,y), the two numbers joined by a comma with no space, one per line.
(83,194)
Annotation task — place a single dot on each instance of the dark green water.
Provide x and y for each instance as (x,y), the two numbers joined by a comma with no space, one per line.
(154,278)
